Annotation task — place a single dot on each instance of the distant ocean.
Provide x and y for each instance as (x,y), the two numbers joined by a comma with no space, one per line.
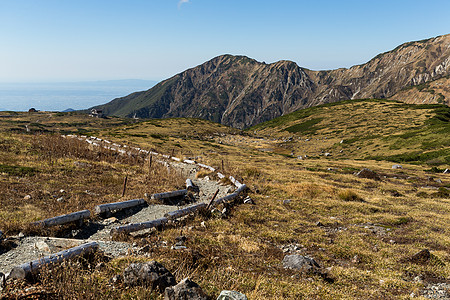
(62,96)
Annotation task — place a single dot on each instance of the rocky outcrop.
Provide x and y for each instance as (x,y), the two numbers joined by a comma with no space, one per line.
(241,92)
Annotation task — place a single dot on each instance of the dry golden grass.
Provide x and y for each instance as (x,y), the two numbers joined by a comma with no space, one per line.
(64,175)
(365,246)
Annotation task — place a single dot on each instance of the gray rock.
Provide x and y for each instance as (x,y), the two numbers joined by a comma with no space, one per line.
(367,173)
(231,295)
(300,262)
(42,246)
(397,166)
(151,274)
(421,256)
(327,154)
(185,289)
(446,171)
(286,201)
(179,242)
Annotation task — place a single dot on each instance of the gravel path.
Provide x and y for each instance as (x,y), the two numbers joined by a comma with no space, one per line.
(30,248)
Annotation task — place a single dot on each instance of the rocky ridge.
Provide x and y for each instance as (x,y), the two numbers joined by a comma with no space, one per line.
(240,92)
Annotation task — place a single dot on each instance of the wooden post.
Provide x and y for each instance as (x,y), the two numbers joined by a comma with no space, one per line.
(139,226)
(60,220)
(99,209)
(27,269)
(124,185)
(150,163)
(212,199)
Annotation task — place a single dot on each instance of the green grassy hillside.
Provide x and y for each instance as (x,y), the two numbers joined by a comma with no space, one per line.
(366,129)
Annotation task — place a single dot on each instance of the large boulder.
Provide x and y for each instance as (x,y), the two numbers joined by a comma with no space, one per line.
(151,274)
(184,290)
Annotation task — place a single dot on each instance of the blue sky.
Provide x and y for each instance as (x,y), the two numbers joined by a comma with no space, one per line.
(62,40)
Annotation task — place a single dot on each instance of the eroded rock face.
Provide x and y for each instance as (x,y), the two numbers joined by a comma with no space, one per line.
(185,289)
(151,274)
(241,92)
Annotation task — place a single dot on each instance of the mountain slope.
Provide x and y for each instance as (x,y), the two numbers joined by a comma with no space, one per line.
(431,92)
(365,129)
(241,92)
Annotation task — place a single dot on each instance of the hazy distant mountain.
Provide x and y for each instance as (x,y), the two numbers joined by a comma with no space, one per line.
(241,92)
(68,110)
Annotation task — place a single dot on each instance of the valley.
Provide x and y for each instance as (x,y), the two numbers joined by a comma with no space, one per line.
(301,170)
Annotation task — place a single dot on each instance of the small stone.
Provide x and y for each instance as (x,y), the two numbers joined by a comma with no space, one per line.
(21,235)
(62,191)
(392,241)
(285,202)
(397,166)
(60,199)
(203,224)
(327,154)
(27,197)
(42,246)
(446,171)
(185,289)
(231,295)
(110,221)
(421,256)
(180,240)
(299,262)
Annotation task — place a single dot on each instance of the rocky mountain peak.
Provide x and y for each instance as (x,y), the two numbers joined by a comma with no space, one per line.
(240,91)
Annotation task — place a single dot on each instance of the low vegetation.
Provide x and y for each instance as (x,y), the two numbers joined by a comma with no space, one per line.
(363,232)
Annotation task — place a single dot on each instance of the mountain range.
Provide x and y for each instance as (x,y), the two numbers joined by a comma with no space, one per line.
(241,92)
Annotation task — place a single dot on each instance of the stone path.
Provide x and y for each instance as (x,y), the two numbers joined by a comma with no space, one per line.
(30,248)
